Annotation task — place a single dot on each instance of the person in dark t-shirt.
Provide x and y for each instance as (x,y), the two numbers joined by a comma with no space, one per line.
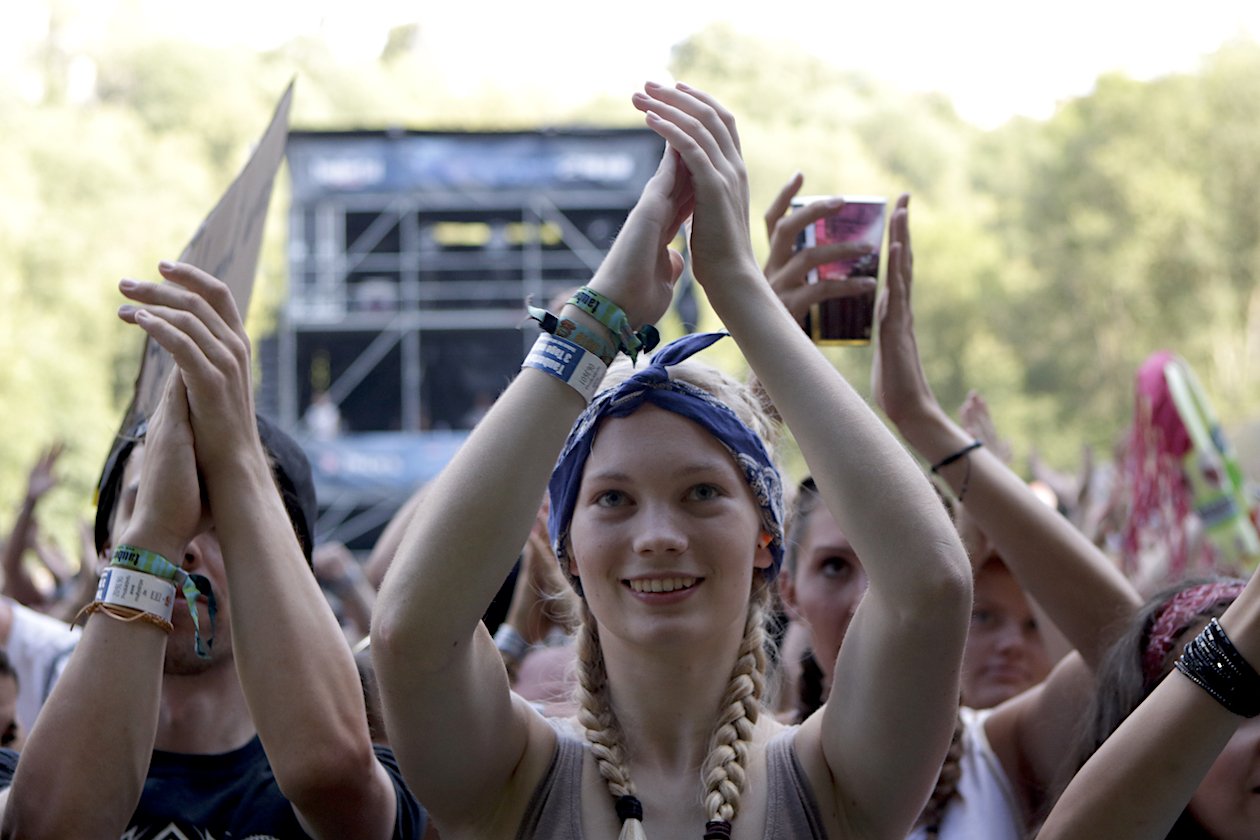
(212,693)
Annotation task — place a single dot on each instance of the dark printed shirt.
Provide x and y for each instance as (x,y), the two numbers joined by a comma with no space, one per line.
(234,796)
(8,766)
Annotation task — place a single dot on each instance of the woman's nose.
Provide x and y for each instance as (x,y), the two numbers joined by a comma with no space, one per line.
(659,531)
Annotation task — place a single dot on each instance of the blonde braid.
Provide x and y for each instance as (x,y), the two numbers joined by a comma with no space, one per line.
(946,783)
(724,767)
(595,713)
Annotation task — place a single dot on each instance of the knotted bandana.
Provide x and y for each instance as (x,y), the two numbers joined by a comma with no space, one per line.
(651,385)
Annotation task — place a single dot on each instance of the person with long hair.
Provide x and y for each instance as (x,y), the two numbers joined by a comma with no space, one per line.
(1002,763)
(667,517)
(1172,745)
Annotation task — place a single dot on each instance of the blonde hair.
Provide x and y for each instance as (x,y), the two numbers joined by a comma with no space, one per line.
(723,772)
(946,783)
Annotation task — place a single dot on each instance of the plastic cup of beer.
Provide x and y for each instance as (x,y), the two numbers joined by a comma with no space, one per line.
(846,320)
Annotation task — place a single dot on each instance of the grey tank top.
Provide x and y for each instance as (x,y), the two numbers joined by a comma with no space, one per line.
(555,811)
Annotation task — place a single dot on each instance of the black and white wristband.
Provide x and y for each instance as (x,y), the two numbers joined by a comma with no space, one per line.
(571,363)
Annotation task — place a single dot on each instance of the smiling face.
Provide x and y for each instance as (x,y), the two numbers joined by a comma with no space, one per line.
(1005,654)
(824,586)
(665,532)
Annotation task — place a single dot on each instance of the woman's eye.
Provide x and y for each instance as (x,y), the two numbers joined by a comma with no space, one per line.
(982,617)
(705,492)
(610,498)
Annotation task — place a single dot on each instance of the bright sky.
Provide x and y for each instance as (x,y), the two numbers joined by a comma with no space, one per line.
(993,58)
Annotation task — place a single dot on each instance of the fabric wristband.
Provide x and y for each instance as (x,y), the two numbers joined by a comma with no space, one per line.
(614,317)
(572,364)
(122,587)
(587,338)
(141,560)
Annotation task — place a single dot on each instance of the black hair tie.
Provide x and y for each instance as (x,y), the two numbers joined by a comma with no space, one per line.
(717,830)
(629,808)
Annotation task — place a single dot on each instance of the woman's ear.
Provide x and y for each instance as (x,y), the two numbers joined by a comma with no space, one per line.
(762,558)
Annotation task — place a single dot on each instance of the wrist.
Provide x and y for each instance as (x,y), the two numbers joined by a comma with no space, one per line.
(154,539)
(621,295)
(744,288)
(629,335)
(929,431)
(735,281)
(238,467)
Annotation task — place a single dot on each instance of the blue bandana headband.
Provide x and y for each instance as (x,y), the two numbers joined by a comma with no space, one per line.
(652,385)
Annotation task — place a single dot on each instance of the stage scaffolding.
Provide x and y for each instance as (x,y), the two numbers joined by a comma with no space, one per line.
(410,257)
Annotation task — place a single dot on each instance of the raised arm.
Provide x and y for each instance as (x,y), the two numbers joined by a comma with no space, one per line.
(78,776)
(464,743)
(295,668)
(1142,777)
(17,583)
(883,734)
(1083,592)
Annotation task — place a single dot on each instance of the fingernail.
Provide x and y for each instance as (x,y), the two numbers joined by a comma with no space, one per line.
(683,86)
(126,309)
(127,284)
(652,86)
(166,265)
(835,203)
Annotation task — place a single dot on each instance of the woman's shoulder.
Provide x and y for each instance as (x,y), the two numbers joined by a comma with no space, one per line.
(793,803)
(503,807)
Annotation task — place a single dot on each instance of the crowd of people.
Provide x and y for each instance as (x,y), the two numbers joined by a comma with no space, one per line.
(612,615)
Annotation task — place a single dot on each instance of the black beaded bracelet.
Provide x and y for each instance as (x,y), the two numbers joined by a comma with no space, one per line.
(957,456)
(1212,663)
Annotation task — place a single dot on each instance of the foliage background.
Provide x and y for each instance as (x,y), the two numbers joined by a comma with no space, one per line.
(1051,256)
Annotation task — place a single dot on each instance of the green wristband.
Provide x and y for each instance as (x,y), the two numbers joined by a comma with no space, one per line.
(614,317)
(142,560)
(580,335)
